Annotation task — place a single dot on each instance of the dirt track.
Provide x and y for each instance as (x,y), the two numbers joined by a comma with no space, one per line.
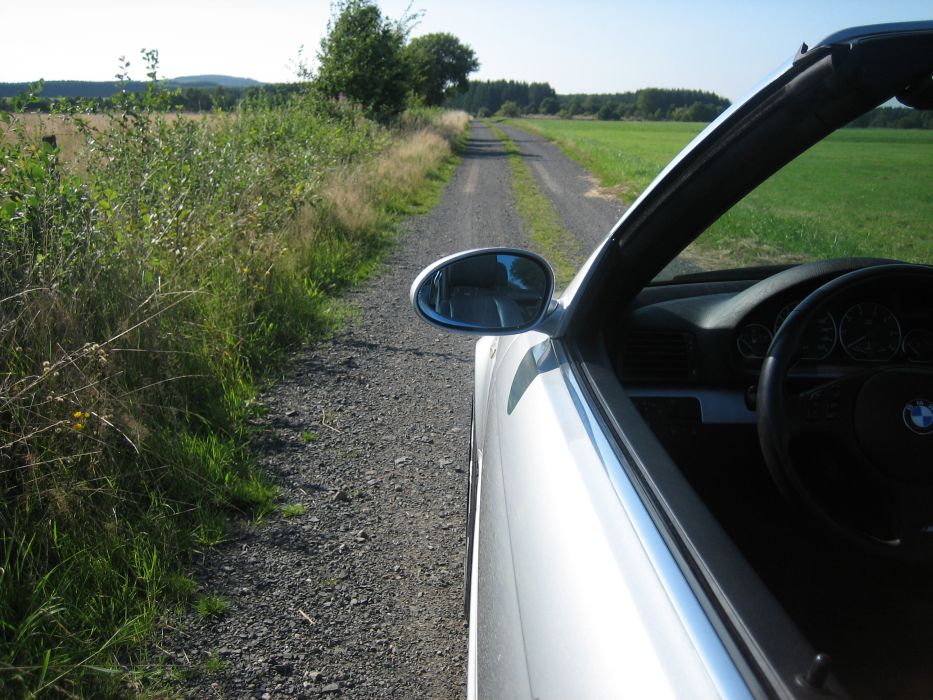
(360,595)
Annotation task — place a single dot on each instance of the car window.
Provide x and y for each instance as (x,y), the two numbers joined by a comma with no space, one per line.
(859,192)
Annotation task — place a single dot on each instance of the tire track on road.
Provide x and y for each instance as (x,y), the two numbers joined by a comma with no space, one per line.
(567,183)
(369,432)
(587,217)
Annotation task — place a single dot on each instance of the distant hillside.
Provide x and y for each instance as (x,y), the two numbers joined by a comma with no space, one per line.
(87,88)
(227,81)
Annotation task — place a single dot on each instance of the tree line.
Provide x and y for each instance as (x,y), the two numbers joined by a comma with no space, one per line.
(369,60)
(895,118)
(511,98)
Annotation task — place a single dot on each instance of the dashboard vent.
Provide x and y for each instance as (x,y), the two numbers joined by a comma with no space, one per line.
(657,355)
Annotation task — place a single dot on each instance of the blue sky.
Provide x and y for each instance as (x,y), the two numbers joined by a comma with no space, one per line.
(725,46)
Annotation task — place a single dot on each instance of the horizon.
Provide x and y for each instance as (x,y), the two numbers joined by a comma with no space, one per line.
(598,47)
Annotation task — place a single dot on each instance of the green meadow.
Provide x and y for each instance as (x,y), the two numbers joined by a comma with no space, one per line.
(859,192)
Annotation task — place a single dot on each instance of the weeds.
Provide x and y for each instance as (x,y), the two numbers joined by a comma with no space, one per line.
(212,606)
(292,510)
(214,664)
(146,283)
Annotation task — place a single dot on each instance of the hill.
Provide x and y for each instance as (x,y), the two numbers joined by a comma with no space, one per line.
(226,81)
(106,88)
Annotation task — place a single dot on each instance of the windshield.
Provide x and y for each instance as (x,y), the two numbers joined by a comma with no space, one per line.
(863,191)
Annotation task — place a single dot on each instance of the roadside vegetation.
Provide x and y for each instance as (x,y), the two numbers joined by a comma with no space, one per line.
(858,192)
(150,280)
(547,233)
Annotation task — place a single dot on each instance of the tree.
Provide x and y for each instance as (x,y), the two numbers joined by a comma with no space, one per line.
(439,65)
(361,58)
(549,105)
(607,112)
(509,109)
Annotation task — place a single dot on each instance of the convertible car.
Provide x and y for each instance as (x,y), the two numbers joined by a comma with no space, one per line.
(689,481)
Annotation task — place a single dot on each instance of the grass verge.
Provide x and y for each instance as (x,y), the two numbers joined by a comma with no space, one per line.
(149,281)
(547,232)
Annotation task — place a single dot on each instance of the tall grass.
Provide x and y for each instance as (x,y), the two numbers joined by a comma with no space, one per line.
(146,283)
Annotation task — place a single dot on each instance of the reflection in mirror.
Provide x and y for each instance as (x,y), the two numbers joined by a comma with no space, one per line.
(486,292)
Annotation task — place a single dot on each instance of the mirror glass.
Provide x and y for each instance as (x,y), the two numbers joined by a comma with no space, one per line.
(491,292)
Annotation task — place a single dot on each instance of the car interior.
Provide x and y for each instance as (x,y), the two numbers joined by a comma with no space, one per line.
(781,434)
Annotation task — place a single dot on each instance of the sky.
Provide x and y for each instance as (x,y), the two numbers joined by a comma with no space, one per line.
(578,46)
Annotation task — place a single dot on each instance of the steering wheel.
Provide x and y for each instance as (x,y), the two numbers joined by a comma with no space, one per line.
(856,451)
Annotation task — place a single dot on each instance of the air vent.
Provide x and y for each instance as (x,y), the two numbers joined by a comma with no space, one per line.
(650,355)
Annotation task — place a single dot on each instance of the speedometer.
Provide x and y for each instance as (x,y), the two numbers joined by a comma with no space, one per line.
(820,337)
(870,332)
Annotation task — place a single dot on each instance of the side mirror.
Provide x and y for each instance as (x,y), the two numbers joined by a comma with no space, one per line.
(492,291)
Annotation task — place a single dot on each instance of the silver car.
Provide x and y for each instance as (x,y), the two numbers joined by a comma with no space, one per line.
(694,482)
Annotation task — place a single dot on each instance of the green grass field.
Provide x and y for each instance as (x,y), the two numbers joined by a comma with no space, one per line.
(859,192)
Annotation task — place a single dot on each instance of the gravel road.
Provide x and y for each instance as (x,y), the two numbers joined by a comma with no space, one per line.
(360,595)
(586,212)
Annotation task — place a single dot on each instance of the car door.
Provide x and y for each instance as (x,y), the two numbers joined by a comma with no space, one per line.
(576,594)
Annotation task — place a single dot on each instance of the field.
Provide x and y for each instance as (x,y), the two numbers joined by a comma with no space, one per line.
(69,139)
(859,192)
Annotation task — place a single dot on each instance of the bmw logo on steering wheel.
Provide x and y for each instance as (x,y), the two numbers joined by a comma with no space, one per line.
(918,416)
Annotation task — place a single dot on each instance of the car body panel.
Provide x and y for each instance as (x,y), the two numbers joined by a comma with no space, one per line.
(598,608)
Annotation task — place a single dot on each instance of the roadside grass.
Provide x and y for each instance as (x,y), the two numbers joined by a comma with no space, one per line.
(545,228)
(150,280)
(624,156)
(858,192)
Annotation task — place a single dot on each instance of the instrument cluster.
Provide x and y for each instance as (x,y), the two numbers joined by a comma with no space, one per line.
(885,329)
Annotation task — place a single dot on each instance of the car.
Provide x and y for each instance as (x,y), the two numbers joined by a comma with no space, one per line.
(696,482)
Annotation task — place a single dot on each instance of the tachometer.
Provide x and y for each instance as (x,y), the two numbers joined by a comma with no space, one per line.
(820,336)
(870,332)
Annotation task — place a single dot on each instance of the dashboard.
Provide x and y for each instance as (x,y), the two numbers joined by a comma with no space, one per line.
(705,340)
